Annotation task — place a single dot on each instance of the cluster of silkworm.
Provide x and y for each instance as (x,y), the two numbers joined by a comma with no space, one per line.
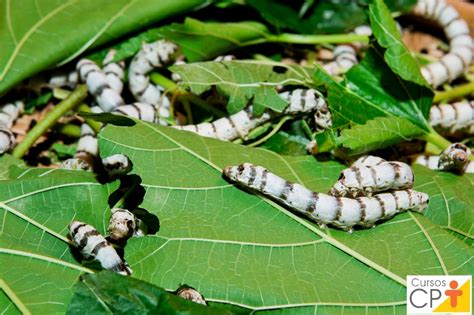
(453,64)
(456,159)
(92,245)
(342,212)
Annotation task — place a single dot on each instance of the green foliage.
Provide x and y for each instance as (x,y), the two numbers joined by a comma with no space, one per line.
(205,40)
(329,16)
(244,81)
(286,144)
(39,34)
(37,102)
(380,132)
(234,237)
(397,56)
(106,292)
(6,163)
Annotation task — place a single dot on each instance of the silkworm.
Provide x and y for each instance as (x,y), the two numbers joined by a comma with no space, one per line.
(453,117)
(142,111)
(341,212)
(451,65)
(362,180)
(123,224)
(189,293)
(98,85)
(93,245)
(114,71)
(150,56)
(454,159)
(117,165)
(8,114)
(61,78)
(241,123)
(345,57)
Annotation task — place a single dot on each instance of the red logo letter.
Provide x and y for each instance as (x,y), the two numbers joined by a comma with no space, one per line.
(453,294)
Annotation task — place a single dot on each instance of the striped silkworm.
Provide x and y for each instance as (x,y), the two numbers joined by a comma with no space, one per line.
(143,111)
(459,57)
(123,224)
(150,56)
(61,79)
(189,293)
(93,245)
(114,71)
(117,165)
(454,159)
(8,114)
(241,123)
(345,57)
(344,213)
(455,117)
(98,85)
(363,180)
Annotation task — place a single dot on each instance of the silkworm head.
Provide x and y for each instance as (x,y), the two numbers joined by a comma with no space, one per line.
(423,201)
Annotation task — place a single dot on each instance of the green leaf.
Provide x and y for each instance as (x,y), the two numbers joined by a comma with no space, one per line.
(7,161)
(452,202)
(39,34)
(397,56)
(240,248)
(37,102)
(380,132)
(205,40)
(286,144)
(372,89)
(329,16)
(36,207)
(106,292)
(244,80)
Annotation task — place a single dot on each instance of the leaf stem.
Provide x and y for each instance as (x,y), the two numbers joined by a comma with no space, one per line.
(436,139)
(457,92)
(309,39)
(271,133)
(69,130)
(74,99)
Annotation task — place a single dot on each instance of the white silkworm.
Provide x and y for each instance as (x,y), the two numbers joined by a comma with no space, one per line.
(114,71)
(123,224)
(150,56)
(98,85)
(142,111)
(345,57)
(188,293)
(117,165)
(61,78)
(92,245)
(453,117)
(362,180)
(454,159)
(241,123)
(8,114)
(451,65)
(341,212)
(369,160)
